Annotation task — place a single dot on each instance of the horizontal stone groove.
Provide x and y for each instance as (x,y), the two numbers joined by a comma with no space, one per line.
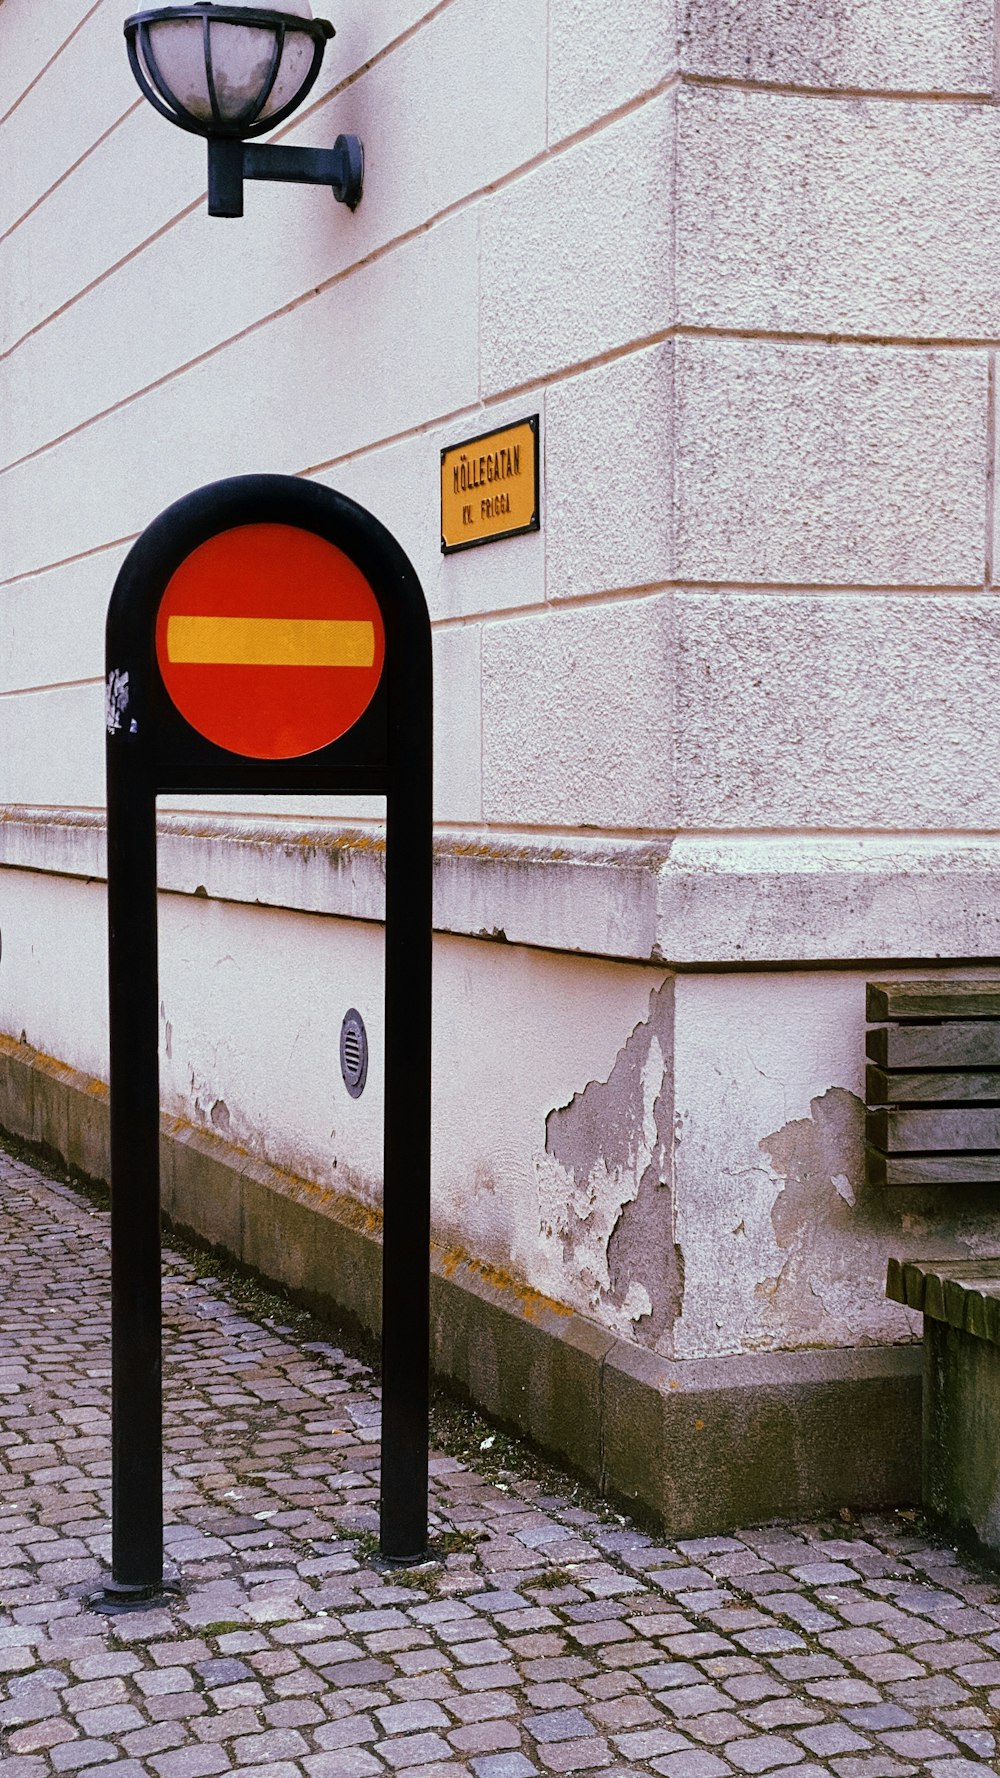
(741,589)
(914,342)
(54,57)
(551,150)
(985,96)
(864,342)
(548,153)
(83,555)
(25,691)
(814,838)
(566,602)
(110,271)
(483,405)
(68,172)
(608,595)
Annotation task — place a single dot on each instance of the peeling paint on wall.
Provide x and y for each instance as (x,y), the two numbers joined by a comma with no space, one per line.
(606,1185)
(835,1230)
(220,1116)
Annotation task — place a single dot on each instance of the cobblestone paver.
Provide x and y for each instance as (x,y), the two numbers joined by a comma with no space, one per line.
(563,1642)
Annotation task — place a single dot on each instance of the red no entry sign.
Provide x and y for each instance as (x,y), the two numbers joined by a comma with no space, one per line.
(270,641)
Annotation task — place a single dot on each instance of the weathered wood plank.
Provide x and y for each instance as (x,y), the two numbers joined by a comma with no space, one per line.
(875,1164)
(951,1045)
(932,1169)
(935,1000)
(963,1293)
(905,1132)
(895,1283)
(948,1086)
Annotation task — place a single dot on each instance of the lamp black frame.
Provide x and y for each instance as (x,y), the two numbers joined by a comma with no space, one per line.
(230,159)
(151,749)
(249,123)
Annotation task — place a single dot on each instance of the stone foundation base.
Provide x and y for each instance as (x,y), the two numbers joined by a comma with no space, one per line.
(694,1447)
(961,1452)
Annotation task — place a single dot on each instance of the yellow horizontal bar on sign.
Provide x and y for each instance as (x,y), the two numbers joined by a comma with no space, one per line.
(489,486)
(270,642)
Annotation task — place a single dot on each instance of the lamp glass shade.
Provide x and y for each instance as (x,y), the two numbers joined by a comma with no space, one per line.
(240,64)
(177,47)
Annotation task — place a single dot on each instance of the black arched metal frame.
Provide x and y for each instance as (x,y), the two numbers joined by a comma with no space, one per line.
(151,749)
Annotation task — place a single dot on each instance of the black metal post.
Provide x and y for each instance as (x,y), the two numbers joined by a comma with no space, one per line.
(136,1383)
(225,177)
(406,1170)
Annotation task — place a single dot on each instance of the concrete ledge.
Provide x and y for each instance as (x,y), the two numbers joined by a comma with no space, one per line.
(696,1446)
(589,896)
(684,901)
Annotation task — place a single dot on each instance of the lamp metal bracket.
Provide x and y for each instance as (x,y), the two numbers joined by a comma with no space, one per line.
(230,162)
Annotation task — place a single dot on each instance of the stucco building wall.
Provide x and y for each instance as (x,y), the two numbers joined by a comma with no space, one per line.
(712,746)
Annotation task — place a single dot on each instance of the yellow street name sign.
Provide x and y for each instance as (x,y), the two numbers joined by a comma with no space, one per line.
(489,486)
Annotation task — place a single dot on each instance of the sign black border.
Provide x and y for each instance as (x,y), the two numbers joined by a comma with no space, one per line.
(535,522)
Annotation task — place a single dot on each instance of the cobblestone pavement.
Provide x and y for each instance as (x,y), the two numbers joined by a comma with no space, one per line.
(562,1642)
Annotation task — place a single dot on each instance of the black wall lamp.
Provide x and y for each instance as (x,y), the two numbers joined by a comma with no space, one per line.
(229,72)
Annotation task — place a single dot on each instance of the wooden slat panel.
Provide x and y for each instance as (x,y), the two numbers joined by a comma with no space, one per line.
(875,1164)
(905,1283)
(968,1087)
(934,1000)
(903,1132)
(895,1284)
(952,1045)
(933,1169)
(963,1293)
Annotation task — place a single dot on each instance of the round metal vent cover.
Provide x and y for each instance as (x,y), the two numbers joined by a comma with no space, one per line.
(354,1052)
